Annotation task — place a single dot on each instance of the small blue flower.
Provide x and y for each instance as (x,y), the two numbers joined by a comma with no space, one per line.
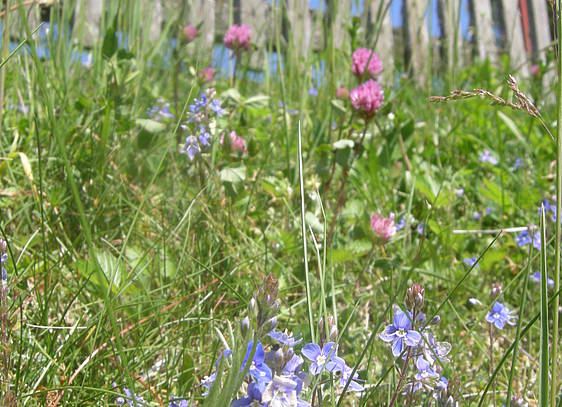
(425,376)
(400,333)
(487,157)
(499,315)
(216,107)
(471,261)
(284,338)
(255,394)
(178,402)
(131,399)
(536,277)
(258,369)
(459,192)
(321,358)
(281,392)
(489,210)
(191,147)
(421,229)
(345,375)
(401,224)
(207,383)
(523,239)
(476,215)
(518,164)
(204,137)
(313,92)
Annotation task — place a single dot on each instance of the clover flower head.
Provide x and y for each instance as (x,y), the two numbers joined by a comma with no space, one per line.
(189,33)
(342,93)
(383,228)
(206,74)
(500,315)
(237,143)
(536,278)
(364,59)
(237,37)
(400,333)
(367,98)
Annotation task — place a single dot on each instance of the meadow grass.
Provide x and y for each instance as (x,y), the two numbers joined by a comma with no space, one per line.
(131,266)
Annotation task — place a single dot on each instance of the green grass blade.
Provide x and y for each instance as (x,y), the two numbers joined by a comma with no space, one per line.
(543,394)
(305,254)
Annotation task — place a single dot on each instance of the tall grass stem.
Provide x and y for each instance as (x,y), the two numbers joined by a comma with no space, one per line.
(304,248)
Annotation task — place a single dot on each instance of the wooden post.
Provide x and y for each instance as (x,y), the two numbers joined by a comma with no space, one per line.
(484,27)
(417,38)
(203,12)
(541,26)
(89,11)
(156,20)
(514,35)
(383,28)
(300,22)
(340,21)
(451,33)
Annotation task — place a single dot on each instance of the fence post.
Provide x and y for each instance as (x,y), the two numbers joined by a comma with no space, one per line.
(203,12)
(485,37)
(300,30)
(417,41)
(451,35)
(541,26)
(514,35)
(90,11)
(381,25)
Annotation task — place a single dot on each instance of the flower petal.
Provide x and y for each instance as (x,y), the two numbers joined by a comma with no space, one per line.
(412,338)
(311,351)
(397,347)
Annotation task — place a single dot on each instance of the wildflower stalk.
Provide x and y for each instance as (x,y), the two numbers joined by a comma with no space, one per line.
(341,195)
(558,215)
(404,368)
(491,335)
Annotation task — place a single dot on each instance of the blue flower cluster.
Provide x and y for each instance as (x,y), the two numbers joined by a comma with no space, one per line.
(160,111)
(410,337)
(524,238)
(198,126)
(133,400)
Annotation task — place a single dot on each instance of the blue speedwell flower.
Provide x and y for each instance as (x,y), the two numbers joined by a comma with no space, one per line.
(471,261)
(254,396)
(282,392)
(487,157)
(178,402)
(258,369)
(500,315)
(536,277)
(426,376)
(400,333)
(345,375)
(401,224)
(313,92)
(524,238)
(284,338)
(321,358)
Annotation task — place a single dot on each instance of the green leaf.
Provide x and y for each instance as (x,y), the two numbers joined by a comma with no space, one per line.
(110,44)
(233,175)
(355,249)
(257,101)
(150,126)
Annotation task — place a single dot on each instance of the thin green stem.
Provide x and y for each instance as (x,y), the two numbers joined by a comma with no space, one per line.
(305,254)
(558,217)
